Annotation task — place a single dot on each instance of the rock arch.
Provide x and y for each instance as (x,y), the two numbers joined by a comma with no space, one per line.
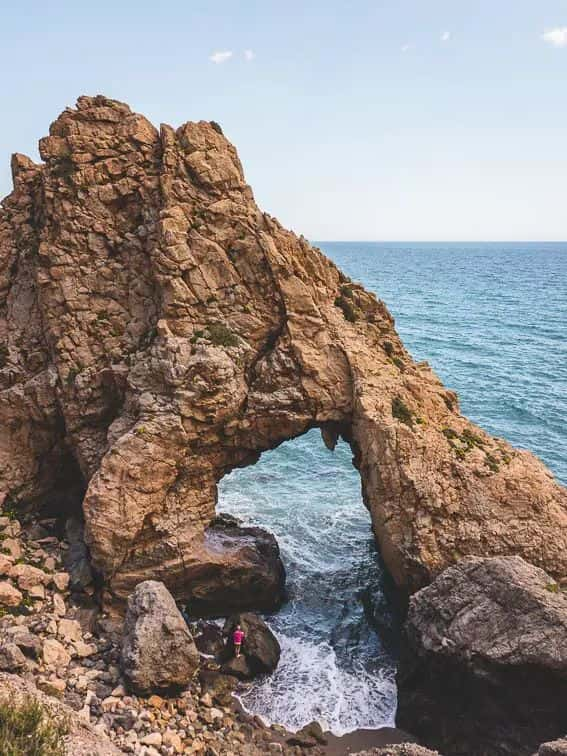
(162,330)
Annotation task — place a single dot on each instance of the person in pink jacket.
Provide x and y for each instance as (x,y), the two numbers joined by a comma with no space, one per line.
(237,639)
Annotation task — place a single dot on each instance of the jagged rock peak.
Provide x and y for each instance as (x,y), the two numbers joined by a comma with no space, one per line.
(157,330)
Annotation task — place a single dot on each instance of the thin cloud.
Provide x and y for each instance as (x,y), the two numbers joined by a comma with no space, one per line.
(406,48)
(446,36)
(249,54)
(221,56)
(556,37)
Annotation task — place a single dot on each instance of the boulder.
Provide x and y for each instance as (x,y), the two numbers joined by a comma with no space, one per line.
(209,639)
(9,595)
(55,653)
(158,652)
(28,577)
(309,736)
(245,573)
(27,642)
(484,664)
(260,648)
(553,748)
(11,658)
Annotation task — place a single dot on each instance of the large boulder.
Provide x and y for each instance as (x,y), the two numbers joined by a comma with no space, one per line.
(260,650)
(484,668)
(250,575)
(553,748)
(158,652)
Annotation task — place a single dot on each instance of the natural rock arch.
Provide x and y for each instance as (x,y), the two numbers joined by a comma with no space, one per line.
(159,329)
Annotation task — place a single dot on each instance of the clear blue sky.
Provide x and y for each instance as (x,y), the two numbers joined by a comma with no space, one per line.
(407,119)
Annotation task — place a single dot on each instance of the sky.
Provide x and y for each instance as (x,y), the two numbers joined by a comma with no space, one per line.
(431,120)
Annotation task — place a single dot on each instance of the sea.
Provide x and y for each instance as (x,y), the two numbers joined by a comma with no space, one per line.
(491,319)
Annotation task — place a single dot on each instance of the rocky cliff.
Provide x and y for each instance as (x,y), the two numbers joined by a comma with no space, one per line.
(157,330)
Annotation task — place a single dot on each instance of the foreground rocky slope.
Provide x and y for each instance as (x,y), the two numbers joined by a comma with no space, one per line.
(484,670)
(157,330)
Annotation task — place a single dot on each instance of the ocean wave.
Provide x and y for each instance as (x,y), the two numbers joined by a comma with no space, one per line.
(311,684)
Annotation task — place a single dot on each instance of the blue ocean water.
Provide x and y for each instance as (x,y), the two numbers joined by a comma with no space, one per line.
(492,321)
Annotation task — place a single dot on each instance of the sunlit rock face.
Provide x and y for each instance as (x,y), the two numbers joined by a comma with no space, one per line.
(157,330)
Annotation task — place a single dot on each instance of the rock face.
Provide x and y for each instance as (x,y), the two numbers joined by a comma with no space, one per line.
(485,667)
(158,652)
(158,330)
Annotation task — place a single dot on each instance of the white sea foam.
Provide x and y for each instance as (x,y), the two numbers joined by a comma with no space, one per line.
(310,684)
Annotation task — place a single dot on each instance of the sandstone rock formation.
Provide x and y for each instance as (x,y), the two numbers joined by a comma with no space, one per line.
(485,668)
(158,652)
(158,330)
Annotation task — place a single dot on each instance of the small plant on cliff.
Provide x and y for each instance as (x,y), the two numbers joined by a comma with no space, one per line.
(401,411)
(27,729)
(350,311)
(220,335)
(388,348)
(553,588)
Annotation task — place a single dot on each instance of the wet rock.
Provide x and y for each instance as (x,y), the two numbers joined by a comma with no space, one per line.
(260,648)
(218,686)
(158,652)
(238,667)
(484,668)
(310,736)
(209,639)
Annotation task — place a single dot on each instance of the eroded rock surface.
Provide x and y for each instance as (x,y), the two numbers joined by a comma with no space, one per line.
(485,666)
(157,330)
(158,652)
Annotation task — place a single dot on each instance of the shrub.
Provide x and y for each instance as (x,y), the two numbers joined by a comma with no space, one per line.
(220,335)
(401,411)
(388,348)
(350,311)
(27,729)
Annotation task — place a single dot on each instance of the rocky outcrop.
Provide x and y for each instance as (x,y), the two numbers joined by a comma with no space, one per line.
(260,650)
(485,665)
(158,330)
(158,652)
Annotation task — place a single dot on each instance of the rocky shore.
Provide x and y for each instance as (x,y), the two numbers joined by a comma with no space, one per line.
(57,646)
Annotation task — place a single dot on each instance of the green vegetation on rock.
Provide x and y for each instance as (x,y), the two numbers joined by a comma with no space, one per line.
(27,729)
